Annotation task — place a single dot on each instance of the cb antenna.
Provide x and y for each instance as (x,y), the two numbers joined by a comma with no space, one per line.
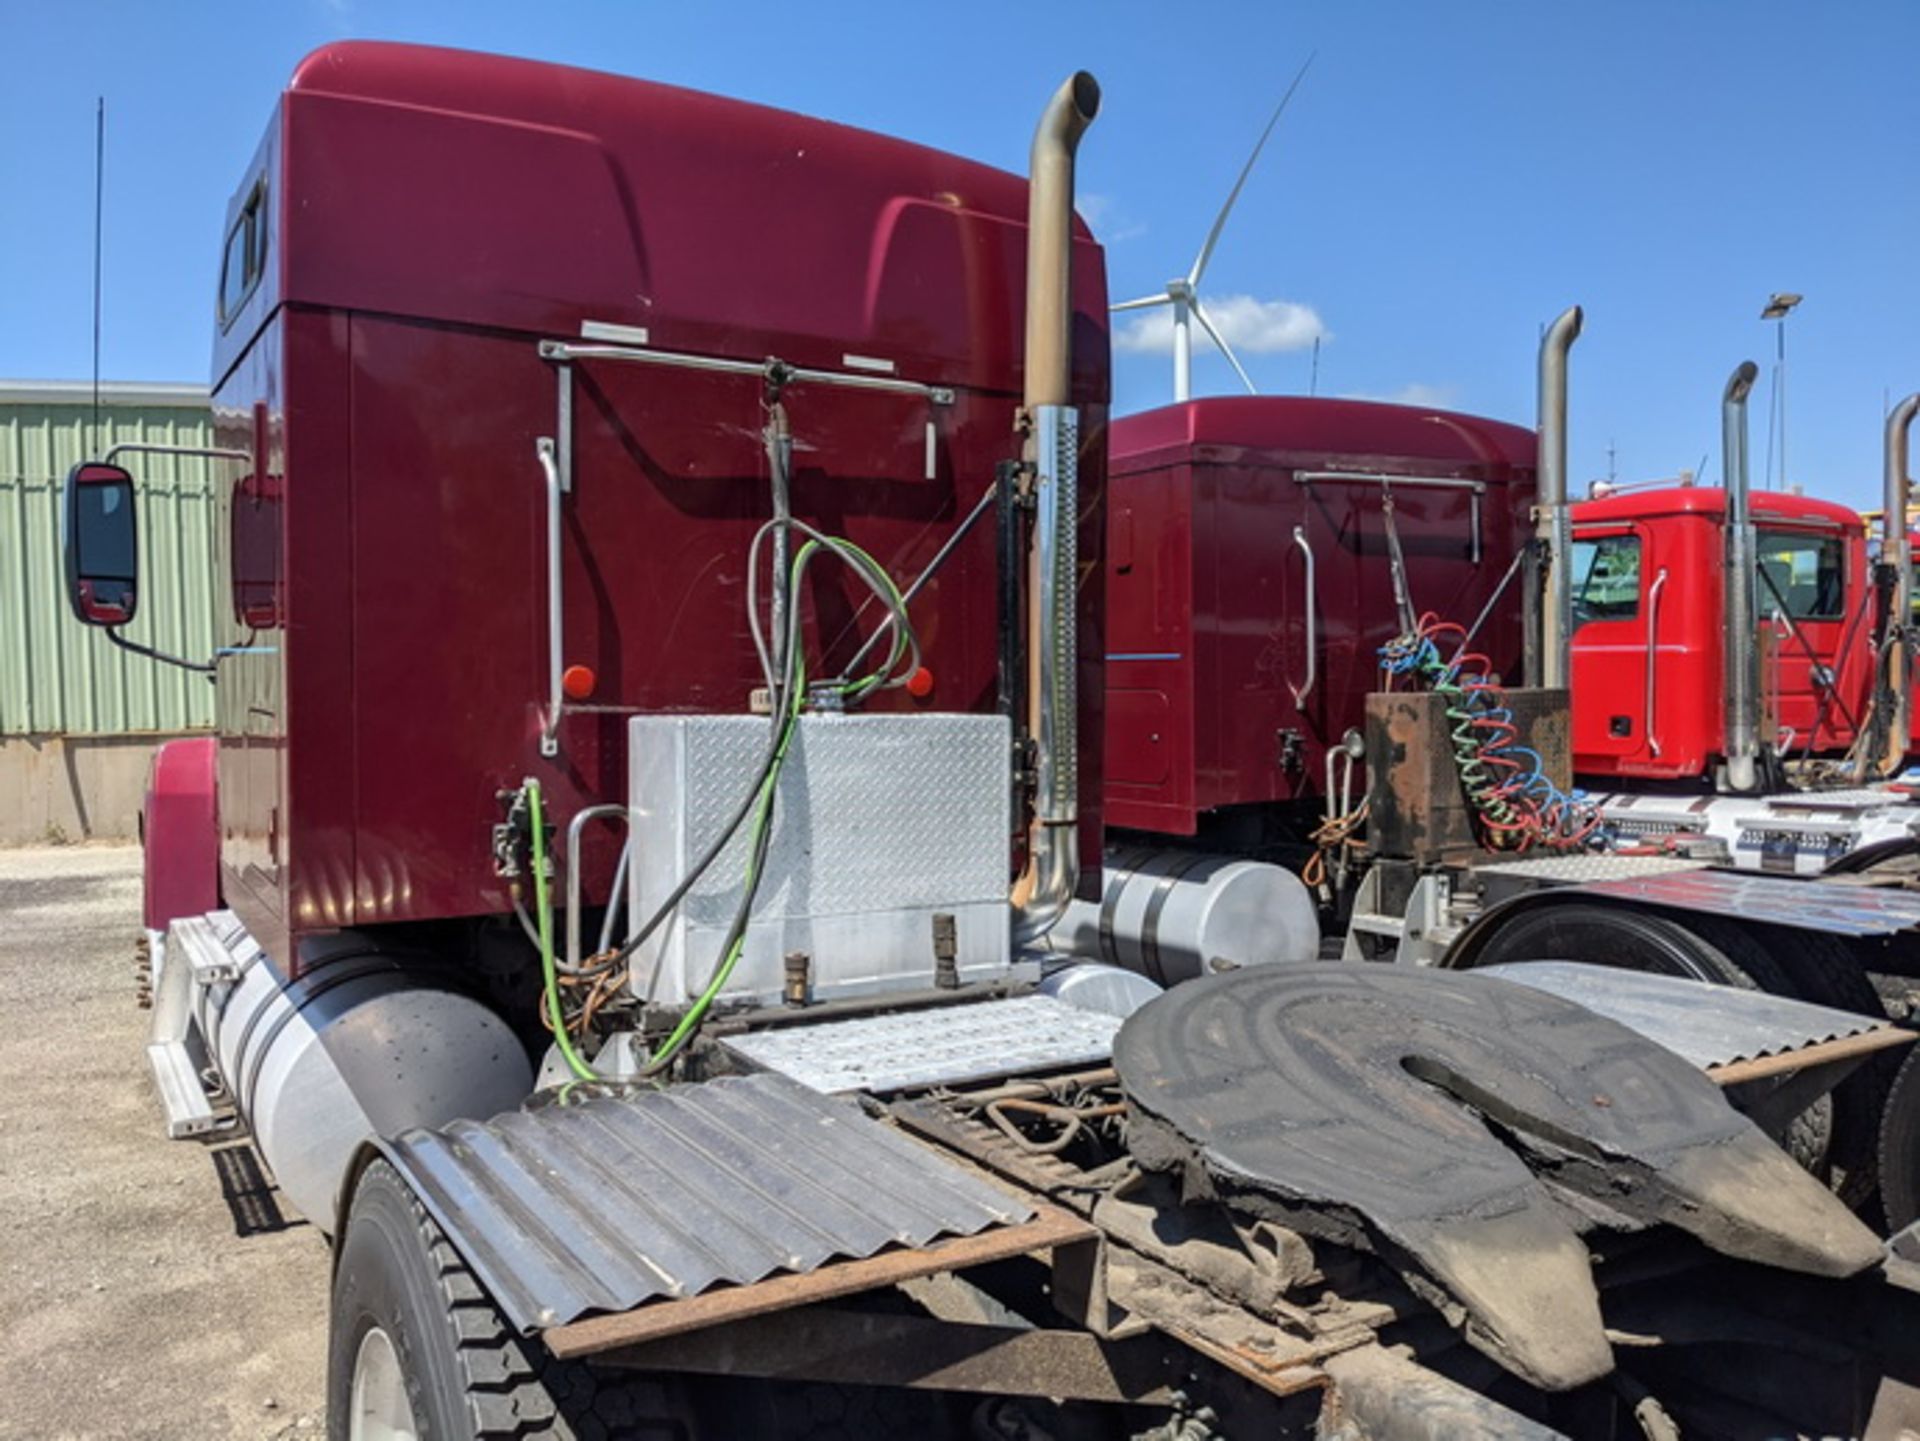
(99,190)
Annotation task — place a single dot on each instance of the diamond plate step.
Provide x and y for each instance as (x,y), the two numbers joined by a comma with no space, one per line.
(938,1046)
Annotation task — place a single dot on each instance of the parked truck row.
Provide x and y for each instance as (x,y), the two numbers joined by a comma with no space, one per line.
(763,868)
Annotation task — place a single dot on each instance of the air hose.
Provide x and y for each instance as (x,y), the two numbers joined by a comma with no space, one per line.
(543,916)
(790,698)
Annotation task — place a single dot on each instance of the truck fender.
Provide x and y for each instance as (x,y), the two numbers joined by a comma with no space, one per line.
(180,832)
(1870,857)
(368,1152)
(1712,946)
(1464,953)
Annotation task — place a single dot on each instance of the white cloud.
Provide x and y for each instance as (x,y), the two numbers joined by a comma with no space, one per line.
(1107,218)
(1250,326)
(1414,392)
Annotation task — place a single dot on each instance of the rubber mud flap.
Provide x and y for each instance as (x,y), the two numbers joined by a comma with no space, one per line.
(1429,1116)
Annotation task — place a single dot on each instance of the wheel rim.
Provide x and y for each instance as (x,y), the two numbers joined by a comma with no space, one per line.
(379,1409)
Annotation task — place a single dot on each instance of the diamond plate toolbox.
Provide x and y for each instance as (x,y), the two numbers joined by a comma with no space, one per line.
(881,822)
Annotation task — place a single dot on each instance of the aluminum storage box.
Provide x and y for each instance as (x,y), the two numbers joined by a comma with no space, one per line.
(881,823)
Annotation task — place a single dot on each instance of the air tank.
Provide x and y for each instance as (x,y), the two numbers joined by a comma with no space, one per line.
(362,1044)
(1171,915)
(1101,988)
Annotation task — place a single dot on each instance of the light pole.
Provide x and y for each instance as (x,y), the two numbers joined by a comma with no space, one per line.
(1779,305)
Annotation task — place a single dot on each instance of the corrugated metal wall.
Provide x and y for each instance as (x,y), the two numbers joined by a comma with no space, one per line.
(56,675)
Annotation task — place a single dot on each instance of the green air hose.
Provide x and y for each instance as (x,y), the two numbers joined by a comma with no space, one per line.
(543,911)
(758,836)
(793,698)
(756,848)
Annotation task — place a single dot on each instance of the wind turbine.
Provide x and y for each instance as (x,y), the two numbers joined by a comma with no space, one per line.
(1183,293)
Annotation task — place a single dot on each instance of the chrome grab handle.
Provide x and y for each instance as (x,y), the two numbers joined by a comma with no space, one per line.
(574,868)
(556,695)
(1782,629)
(1313,623)
(1653,654)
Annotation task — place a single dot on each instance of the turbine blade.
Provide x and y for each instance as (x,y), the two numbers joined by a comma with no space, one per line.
(1220,221)
(1145,302)
(1226,350)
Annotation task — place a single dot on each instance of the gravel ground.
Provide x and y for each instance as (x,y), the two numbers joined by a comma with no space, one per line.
(129,1306)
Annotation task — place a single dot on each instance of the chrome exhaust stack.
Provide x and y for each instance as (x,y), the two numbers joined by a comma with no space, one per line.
(1896,553)
(1550,634)
(1052,451)
(1739,646)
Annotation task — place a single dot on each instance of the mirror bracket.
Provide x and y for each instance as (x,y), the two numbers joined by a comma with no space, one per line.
(205,668)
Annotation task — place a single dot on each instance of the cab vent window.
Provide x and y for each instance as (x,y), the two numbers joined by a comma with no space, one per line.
(245,258)
(1606,579)
(1804,576)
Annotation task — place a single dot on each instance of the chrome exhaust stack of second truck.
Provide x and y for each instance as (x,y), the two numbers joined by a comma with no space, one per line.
(1549,609)
(1740,651)
(1890,718)
(1041,894)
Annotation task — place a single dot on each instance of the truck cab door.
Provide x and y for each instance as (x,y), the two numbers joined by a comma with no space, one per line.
(1807,597)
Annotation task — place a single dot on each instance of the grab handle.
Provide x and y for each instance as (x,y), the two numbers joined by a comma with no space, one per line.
(556,692)
(1653,654)
(1313,624)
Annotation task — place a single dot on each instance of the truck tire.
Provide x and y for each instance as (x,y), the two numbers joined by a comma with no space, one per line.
(1811,966)
(417,1351)
(1699,950)
(1605,935)
(1900,1146)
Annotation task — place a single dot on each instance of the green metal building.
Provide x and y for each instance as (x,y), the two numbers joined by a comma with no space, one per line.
(78,715)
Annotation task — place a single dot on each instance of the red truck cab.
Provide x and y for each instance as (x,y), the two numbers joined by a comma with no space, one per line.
(415,223)
(1648,642)
(1249,587)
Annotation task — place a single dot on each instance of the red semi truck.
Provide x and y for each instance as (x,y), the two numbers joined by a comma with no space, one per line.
(1648,581)
(1266,554)
(1250,586)
(1263,551)
(608,554)
(1651,650)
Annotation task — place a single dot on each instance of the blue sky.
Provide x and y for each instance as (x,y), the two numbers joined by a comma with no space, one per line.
(1449,176)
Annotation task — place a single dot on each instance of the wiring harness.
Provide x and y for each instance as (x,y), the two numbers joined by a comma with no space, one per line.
(1515,804)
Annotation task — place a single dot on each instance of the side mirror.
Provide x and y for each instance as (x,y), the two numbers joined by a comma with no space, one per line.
(102,544)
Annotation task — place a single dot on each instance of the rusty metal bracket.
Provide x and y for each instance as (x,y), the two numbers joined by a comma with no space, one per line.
(1266,1354)
(1051,1227)
(837,1345)
(1080,1291)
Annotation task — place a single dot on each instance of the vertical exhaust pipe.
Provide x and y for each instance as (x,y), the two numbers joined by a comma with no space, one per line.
(1549,636)
(1739,645)
(1052,451)
(1893,696)
(1049,351)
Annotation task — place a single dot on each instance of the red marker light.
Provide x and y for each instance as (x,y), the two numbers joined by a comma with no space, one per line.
(920,684)
(578,681)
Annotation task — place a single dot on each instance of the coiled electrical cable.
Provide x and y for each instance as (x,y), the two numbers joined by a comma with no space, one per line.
(1514,801)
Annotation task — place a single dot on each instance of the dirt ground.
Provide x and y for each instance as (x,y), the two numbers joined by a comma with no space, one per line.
(129,1304)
